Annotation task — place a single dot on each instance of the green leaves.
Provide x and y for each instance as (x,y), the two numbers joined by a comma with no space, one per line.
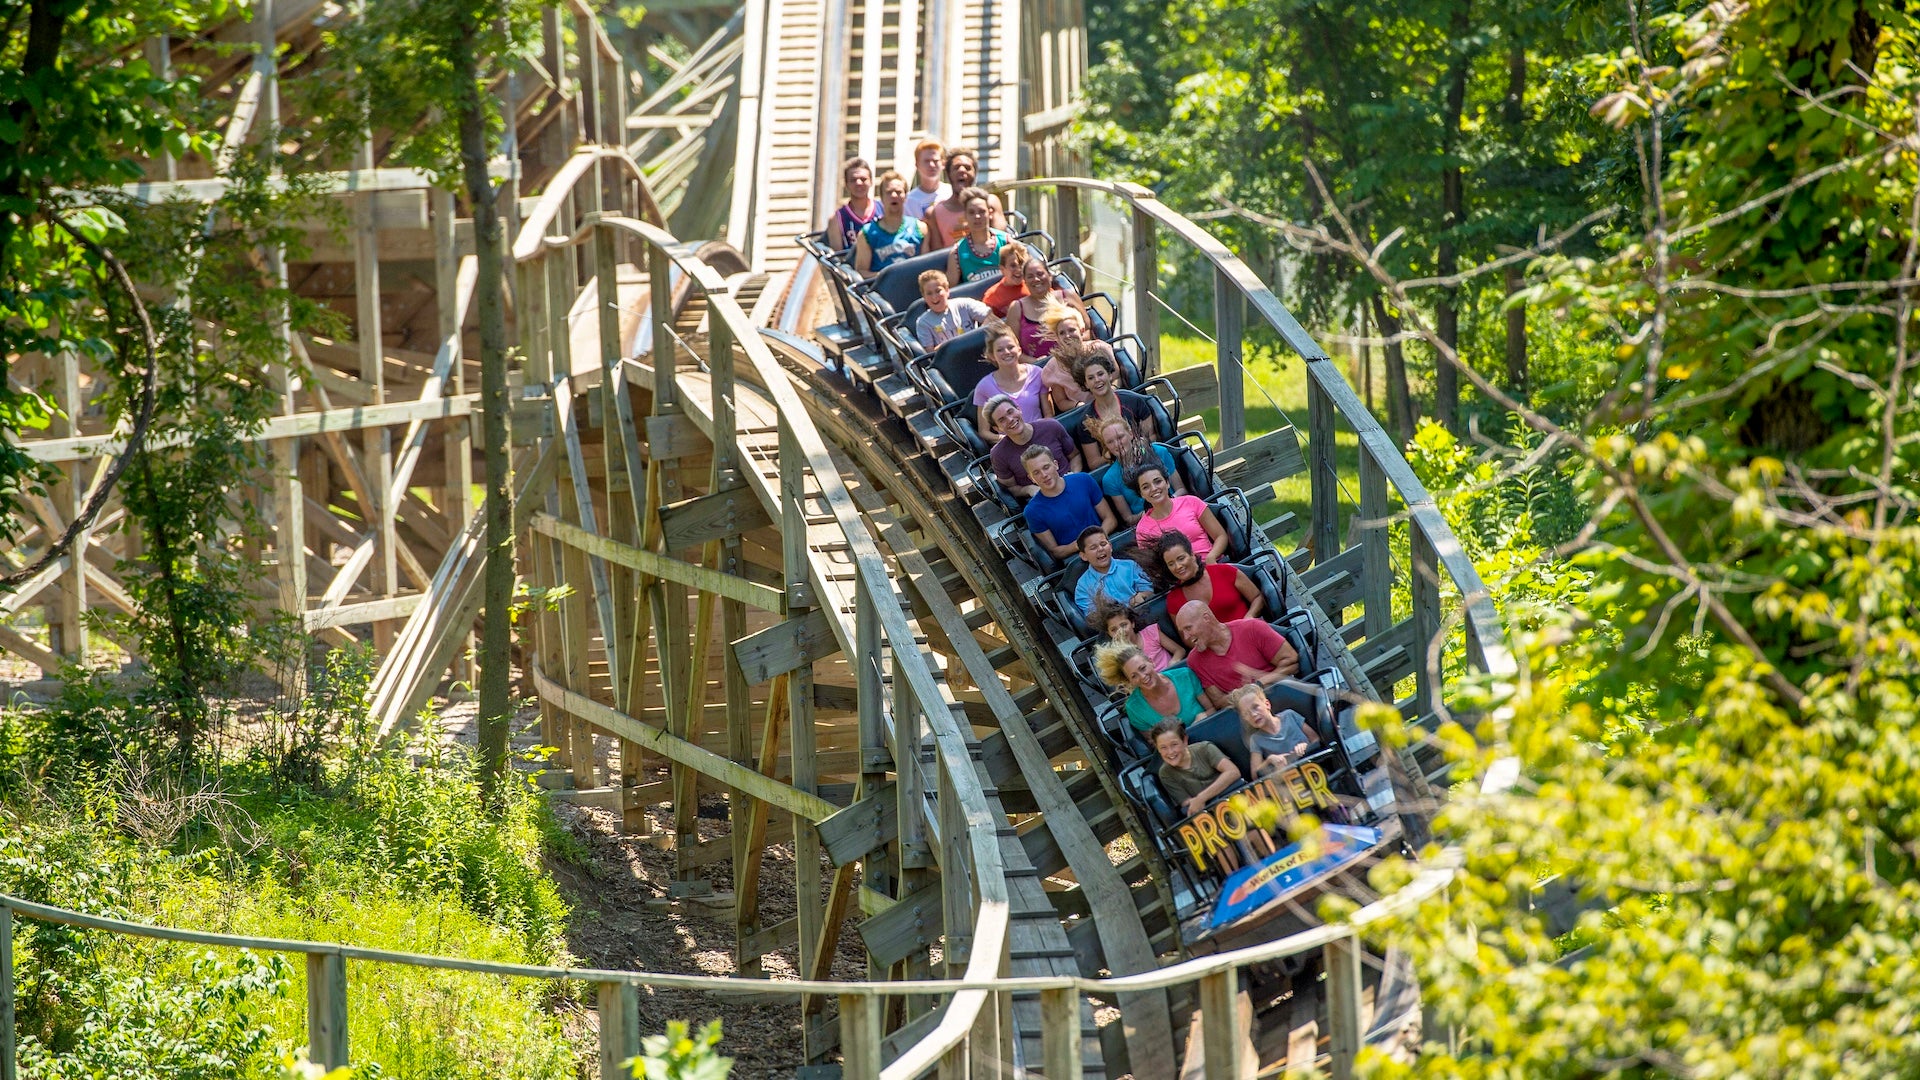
(677,1055)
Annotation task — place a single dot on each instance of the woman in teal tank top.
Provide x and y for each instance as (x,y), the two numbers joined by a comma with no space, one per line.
(977,255)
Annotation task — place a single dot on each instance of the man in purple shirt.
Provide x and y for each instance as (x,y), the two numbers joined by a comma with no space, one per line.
(1004,413)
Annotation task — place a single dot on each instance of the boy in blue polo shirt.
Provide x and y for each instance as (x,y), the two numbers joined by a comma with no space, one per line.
(1122,580)
(1064,506)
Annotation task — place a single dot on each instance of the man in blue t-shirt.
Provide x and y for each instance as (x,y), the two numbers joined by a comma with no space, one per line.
(1063,506)
(1121,580)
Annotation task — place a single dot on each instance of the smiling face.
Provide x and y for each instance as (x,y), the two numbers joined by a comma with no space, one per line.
(859,182)
(1173,750)
(1005,351)
(935,294)
(1098,378)
(1068,331)
(961,171)
(893,195)
(1197,624)
(1007,421)
(1181,564)
(1141,673)
(1153,486)
(1037,278)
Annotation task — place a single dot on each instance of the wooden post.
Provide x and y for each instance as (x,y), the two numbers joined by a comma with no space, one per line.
(1424,583)
(806,769)
(860,1031)
(1322,475)
(956,898)
(376,444)
(1342,958)
(327,1009)
(1146,273)
(1066,214)
(879,870)
(619,1007)
(555,730)
(746,886)
(8,1049)
(456,500)
(1060,1033)
(1220,1023)
(1229,309)
(1376,556)
(68,627)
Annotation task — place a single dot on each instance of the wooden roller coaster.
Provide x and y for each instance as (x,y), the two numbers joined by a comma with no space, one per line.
(785,589)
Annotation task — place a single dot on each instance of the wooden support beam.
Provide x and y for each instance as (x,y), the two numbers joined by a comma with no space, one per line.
(746,883)
(614,722)
(906,929)
(727,512)
(1273,456)
(674,435)
(786,646)
(25,647)
(657,565)
(372,611)
(839,897)
(868,825)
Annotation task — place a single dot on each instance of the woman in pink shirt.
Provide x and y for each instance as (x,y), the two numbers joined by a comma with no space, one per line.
(1165,510)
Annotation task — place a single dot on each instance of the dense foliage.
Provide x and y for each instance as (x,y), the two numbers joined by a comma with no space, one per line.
(361,844)
(1706,541)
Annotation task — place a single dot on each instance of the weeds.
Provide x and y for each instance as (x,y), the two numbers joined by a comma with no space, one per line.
(308,828)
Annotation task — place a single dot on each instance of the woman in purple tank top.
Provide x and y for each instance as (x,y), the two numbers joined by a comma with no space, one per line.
(860,207)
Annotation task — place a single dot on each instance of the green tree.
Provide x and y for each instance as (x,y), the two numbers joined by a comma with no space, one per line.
(433,62)
(1717,740)
(1429,122)
(83,107)
(77,111)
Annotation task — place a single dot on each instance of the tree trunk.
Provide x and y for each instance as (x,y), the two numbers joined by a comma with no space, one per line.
(1514,114)
(1516,335)
(1453,212)
(46,28)
(490,299)
(1400,417)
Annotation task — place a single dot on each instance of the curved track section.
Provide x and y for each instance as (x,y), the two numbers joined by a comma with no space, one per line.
(1115,893)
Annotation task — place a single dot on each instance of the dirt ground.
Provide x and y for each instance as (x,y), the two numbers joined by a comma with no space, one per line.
(624,919)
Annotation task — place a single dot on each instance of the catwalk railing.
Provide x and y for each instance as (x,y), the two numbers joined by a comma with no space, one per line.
(976,998)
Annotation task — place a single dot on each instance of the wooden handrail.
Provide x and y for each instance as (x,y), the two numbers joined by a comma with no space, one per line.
(1425,884)
(533,228)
